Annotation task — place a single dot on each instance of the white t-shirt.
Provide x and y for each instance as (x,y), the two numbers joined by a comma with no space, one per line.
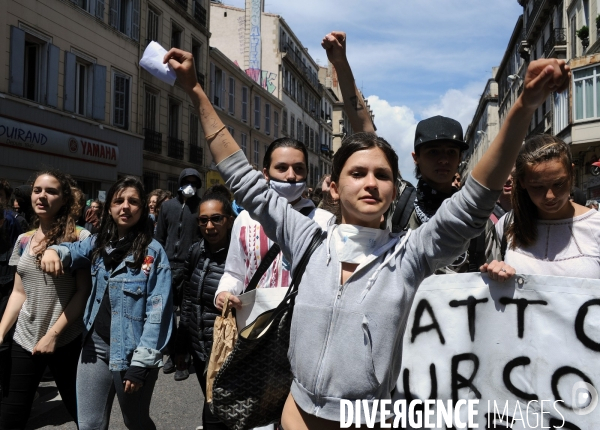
(565,247)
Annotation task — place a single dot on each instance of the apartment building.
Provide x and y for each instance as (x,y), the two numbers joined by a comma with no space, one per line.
(173,137)
(67,101)
(73,97)
(485,125)
(251,113)
(266,49)
(553,29)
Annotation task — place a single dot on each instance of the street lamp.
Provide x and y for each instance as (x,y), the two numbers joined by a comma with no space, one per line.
(512,78)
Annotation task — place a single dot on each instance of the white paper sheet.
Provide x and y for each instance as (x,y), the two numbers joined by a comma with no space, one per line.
(152,61)
(256,302)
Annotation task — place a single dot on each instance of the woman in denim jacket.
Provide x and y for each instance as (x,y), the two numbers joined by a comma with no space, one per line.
(128,316)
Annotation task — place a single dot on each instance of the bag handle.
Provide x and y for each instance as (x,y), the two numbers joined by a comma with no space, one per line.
(262,268)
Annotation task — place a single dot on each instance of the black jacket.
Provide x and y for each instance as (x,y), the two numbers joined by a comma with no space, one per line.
(198,312)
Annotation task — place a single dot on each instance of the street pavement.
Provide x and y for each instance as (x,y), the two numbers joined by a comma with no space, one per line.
(175,405)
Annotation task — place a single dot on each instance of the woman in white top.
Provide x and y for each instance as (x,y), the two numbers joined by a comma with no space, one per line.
(49,309)
(550,234)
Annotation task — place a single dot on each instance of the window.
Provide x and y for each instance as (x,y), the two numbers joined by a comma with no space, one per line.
(573,36)
(150,110)
(267,118)
(174,107)
(256,150)
(276,125)
(245,104)
(125,17)
(284,124)
(244,143)
(231,95)
(586,84)
(121,84)
(34,63)
(176,35)
(173,185)
(257,112)
(293,126)
(199,12)
(561,112)
(306,136)
(152,26)
(197,53)
(196,152)
(217,86)
(151,180)
(230,130)
(82,88)
(300,130)
(312,139)
(95,7)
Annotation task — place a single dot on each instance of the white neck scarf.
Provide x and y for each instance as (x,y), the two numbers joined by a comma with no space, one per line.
(354,244)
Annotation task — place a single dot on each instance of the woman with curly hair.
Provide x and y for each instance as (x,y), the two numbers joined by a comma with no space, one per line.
(49,309)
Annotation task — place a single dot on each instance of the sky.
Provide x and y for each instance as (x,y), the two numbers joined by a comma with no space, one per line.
(412,59)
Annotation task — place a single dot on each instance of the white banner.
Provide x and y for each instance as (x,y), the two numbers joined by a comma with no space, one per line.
(529,350)
(34,138)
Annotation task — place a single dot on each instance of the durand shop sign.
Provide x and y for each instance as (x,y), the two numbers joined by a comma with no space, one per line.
(40,139)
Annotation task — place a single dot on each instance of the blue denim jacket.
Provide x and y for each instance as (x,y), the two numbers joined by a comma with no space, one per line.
(140,299)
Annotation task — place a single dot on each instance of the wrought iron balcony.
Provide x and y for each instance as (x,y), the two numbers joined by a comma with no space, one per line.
(175,149)
(199,13)
(152,141)
(557,38)
(196,154)
(182,3)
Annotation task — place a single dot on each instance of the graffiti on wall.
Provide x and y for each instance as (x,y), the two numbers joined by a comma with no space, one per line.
(264,78)
(255,46)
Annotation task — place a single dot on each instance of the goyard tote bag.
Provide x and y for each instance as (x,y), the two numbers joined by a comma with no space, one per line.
(251,388)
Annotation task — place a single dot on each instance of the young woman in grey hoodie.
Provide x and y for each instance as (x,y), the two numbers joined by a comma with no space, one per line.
(355,295)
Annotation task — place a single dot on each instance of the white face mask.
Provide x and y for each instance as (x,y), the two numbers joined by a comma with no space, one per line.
(354,244)
(291,191)
(188,190)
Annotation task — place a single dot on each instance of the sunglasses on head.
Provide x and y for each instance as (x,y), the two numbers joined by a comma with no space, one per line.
(215,219)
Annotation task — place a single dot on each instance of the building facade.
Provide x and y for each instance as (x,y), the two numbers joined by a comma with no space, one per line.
(173,137)
(485,125)
(73,97)
(266,49)
(554,29)
(65,100)
(251,113)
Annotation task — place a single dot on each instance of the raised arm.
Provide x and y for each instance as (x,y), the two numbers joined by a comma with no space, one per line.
(220,142)
(354,105)
(542,78)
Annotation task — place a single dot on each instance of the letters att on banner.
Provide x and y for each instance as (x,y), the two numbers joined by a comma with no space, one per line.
(529,350)
(40,139)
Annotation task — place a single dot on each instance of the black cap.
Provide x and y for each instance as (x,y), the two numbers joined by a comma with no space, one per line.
(440,128)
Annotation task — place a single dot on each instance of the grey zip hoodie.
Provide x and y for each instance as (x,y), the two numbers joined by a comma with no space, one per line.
(346,340)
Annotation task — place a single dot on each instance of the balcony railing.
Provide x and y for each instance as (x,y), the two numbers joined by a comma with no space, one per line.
(200,78)
(533,14)
(182,3)
(199,13)
(196,154)
(152,141)
(175,149)
(558,37)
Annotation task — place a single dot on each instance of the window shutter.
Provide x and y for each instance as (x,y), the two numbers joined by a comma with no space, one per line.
(98,93)
(212,83)
(223,94)
(70,82)
(52,84)
(100,9)
(114,13)
(135,20)
(17,61)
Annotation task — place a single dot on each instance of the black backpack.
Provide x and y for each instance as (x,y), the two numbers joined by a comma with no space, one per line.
(404,208)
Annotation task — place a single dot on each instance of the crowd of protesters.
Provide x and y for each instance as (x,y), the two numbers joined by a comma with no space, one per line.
(90,290)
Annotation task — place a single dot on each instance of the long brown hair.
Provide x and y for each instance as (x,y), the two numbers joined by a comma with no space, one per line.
(64,228)
(523,232)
